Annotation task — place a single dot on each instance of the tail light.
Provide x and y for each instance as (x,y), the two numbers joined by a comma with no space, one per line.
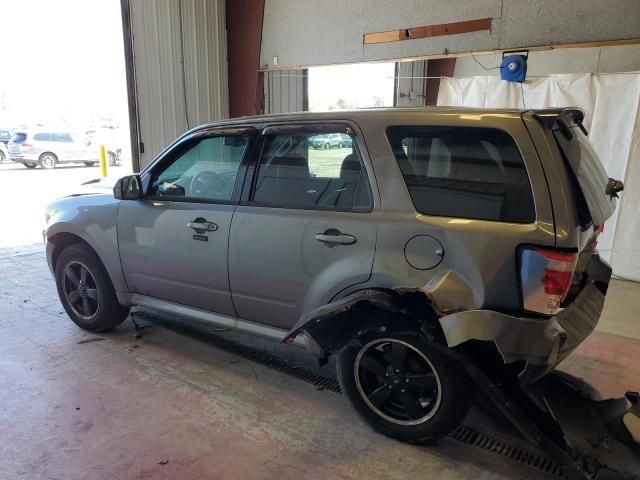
(25,146)
(545,278)
(598,233)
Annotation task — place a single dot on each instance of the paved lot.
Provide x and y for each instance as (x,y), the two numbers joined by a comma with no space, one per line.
(25,193)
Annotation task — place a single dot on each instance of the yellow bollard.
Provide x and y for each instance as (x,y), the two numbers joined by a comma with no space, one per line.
(103,161)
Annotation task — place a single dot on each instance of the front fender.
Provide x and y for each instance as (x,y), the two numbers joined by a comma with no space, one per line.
(92,218)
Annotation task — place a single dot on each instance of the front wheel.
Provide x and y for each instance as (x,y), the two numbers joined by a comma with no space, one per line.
(86,291)
(2,156)
(112,159)
(405,389)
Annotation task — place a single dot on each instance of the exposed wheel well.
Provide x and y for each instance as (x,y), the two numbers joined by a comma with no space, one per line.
(368,312)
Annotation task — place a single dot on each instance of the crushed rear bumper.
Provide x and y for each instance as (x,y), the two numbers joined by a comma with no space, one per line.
(541,343)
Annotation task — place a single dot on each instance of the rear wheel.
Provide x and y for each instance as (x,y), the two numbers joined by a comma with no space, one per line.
(90,164)
(86,291)
(30,165)
(48,160)
(112,160)
(405,389)
(2,156)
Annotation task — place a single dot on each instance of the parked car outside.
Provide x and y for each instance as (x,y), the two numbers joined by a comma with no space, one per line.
(5,136)
(334,140)
(51,147)
(445,235)
(4,152)
(111,138)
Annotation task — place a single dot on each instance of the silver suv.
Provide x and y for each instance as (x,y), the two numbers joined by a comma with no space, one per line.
(437,237)
(49,148)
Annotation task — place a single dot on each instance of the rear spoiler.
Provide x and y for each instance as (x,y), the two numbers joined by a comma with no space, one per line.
(563,119)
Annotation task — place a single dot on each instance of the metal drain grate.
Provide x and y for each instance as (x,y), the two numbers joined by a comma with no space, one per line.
(473,437)
(462,434)
(249,353)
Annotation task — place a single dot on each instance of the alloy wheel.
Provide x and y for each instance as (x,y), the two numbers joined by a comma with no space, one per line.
(80,290)
(48,161)
(397,381)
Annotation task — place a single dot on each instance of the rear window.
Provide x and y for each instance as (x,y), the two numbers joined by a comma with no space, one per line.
(464,172)
(19,137)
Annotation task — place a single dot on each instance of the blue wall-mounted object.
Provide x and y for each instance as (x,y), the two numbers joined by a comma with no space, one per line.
(513,68)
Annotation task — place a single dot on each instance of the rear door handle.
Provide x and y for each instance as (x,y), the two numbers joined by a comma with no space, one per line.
(203,226)
(333,237)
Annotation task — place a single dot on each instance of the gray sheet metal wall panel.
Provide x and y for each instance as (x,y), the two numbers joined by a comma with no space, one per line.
(285,91)
(311,32)
(409,80)
(158,34)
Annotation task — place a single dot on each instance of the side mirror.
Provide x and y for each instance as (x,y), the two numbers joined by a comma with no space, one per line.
(128,188)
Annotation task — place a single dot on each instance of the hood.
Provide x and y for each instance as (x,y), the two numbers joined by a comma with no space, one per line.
(98,186)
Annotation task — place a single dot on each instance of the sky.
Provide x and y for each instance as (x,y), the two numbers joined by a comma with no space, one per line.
(359,85)
(63,62)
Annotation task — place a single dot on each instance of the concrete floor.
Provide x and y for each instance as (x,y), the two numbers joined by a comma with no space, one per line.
(166,406)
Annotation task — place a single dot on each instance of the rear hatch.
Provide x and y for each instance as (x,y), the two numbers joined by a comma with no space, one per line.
(596,190)
(18,139)
(552,278)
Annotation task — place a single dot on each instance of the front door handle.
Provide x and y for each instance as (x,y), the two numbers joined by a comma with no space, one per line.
(200,225)
(333,237)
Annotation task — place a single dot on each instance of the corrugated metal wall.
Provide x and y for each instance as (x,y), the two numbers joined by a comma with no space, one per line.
(411,84)
(285,91)
(180,59)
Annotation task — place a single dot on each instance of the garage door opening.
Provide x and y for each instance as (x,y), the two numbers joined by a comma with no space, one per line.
(63,96)
(346,87)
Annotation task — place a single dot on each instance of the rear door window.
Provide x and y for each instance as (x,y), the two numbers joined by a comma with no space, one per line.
(309,171)
(62,137)
(464,172)
(42,137)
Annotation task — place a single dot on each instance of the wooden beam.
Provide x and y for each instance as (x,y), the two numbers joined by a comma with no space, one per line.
(440,30)
(530,48)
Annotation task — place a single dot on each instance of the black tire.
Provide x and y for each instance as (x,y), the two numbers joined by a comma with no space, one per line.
(90,164)
(443,411)
(48,160)
(112,159)
(326,146)
(3,157)
(104,311)
(30,165)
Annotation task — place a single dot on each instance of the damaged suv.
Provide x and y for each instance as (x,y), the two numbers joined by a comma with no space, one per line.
(443,249)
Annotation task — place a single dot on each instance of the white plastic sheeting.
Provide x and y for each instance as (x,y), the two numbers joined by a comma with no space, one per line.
(612,115)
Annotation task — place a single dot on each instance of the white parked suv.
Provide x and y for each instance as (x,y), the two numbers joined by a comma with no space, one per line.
(48,148)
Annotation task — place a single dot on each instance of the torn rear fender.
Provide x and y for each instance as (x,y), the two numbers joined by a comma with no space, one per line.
(327,329)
